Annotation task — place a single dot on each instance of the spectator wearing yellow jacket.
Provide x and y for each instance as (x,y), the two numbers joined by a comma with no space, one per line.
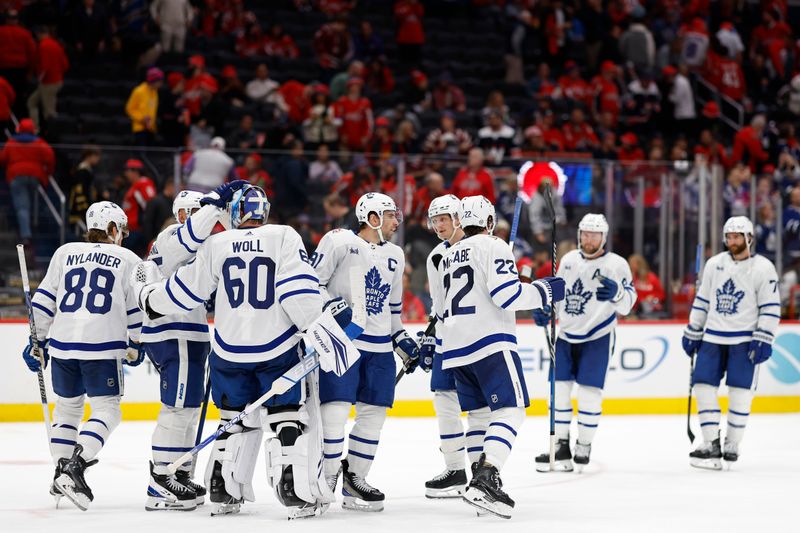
(142,107)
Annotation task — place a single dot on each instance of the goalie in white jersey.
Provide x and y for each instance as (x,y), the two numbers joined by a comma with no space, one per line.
(178,346)
(481,292)
(370,384)
(266,296)
(731,328)
(599,287)
(86,311)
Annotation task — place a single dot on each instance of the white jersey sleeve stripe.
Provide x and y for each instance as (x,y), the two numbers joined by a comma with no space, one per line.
(43,309)
(186,290)
(133,311)
(511,300)
(44,292)
(188,226)
(298,292)
(503,286)
(297,278)
(135,326)
(259,349)
(172,297)
(180,240)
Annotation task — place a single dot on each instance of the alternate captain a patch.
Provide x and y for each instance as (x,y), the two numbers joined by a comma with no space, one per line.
(376,291)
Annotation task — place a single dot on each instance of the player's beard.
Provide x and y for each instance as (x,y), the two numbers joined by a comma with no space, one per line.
(589,252)
(736,249)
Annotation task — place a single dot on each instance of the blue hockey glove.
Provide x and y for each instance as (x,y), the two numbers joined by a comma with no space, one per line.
(551,288)
(31,360)
(760,347)
(340,311)
(221,196)
(135,354)
(407,349)
(609,290)
(542,316)
(427,347)
(691,340)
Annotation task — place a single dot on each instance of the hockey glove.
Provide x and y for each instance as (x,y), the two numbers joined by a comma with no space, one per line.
(407,349)
(340,311)
(221,196)
(135,354)
(28,354)
(609,290)
(551,289)
(691,340)
(144,279)
(760,347)
(427,347)
(542,316)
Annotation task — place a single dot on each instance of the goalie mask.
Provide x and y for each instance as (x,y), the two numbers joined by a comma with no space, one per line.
(248,203)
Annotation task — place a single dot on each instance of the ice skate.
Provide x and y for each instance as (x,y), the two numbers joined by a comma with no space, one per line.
(563,458)
(166,493)
(730,451)
(358,495)
(54,491)
(708,455)
(485,491)
(448,484)
(185,479)
(581,458)
(222,503)
(71,482)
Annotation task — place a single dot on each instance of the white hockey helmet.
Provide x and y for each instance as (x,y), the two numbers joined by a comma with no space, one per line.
(447,204)
(593,222)
(101,214)
(248,203)
(218,143)
(477,211)
(188,200)
(378,203)
(741,225)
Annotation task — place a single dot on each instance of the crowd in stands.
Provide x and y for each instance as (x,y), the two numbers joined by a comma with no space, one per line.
(615,80)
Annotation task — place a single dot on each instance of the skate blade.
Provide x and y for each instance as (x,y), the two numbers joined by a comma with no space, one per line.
(707,464)
(161,504)
(64,484)
(558,466)
(476,499)
(352,503)
(309,511)
(220,509)
(579,468)
(445,494)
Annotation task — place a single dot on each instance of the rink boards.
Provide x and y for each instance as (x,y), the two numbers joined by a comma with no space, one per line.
(649,374)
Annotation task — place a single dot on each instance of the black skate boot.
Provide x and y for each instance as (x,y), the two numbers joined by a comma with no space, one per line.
(222,502)
(71,482)
(708,455)
(358,495)
(54,491)
(166,493)
(582,453)
(730,451)
(184,477)
(485,491)
(563,458)
(448,484)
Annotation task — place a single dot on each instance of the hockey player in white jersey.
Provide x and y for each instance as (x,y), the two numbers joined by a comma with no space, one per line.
(452,482)
(370,384)
(266,296)
(482,292)
(731,328)
(599,287)
(86,313)
(178,346)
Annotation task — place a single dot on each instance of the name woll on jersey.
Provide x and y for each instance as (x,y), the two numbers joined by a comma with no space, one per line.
(736,298)
(174,247)
(267,293)
(341,250)
(581,316)
(481,291)
(85,304)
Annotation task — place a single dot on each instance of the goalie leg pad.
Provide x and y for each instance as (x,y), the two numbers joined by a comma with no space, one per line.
(280,457)
(239,462)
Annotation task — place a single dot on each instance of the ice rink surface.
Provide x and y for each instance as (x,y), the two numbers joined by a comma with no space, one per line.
(639,481)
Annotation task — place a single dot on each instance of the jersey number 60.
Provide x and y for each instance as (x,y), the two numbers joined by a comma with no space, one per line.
(235,287)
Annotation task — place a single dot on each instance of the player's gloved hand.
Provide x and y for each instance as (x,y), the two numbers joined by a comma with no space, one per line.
(135,354)
(407,349)
(427,347)
(221,196)
(551,288)
(542,316)
(609,290)
(144,279)
(30,358)
(340,311)
(691,339)
(760,347)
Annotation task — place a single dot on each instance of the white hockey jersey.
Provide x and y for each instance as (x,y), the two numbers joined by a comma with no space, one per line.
(435,285)
(338,253)
(174,247)
(736,298)
(267,292)
(85,304)
(581,317)
(481,292)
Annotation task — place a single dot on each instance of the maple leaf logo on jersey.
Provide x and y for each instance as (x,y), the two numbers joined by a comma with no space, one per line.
(375,291)
(728,298)
(576,299)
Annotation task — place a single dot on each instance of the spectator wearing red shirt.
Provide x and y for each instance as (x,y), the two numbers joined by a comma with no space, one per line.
(771,28)
(141,191)
(199,81)
(28,161)
(447,96)
(379,78)
(333,46)
(552,135)
(7,97)
(355,111)
(605,90)
(725,73)
(250,42)
(388,183)
(710,150)
(297,98)
(413,308)
(578,135)
(410,33)
(278,44)
(474,179)
(17,58)
(357,182)
(630,151)
(336,7)
(51,67)
(648,287)
(253,172)
(747,147)
(381,142)
(433,188)
(574,88)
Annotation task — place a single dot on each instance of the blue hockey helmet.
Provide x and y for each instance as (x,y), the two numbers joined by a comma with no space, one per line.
(249,203)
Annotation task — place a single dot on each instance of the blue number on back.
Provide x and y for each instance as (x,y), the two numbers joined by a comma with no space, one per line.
(234,286)
(455,307)
(75,280)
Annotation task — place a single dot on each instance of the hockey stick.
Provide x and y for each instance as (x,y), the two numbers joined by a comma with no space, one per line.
(551,336)
(26,288)
(515,223)
(203,411)
(697,260)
